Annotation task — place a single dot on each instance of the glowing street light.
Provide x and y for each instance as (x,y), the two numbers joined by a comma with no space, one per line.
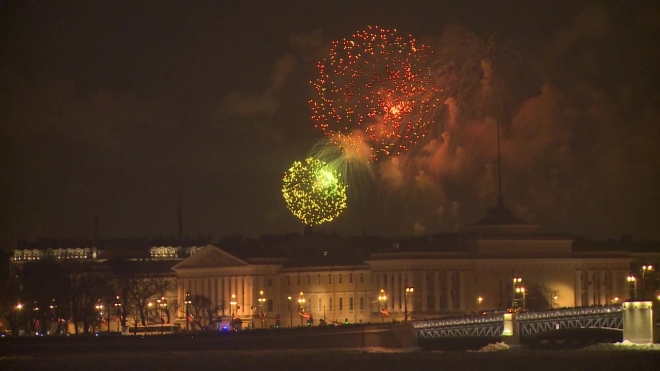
(118,308)
(290,311)
(645,268)
(19,306)
(233,303)
(516,282)
(634,282)
(99,308)
(382,299)
(262,302)
(301,304)
(187,302)
(480,300)
(409,290)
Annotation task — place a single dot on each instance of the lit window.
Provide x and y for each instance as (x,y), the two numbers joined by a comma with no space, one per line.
(341,304)
(320,304)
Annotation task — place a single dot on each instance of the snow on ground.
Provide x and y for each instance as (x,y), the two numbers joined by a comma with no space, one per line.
(624,345)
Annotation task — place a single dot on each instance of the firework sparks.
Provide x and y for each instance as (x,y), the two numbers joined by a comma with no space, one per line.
(379,83)
(314,192)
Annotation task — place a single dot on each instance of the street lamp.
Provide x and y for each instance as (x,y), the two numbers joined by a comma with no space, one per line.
(301,303)
(634,282)
(382,298)
(290,311)
(516,281)
(99,308)
(409,290)
(615,300)
(262,302)
(480,299)
(118,308)
(19,306)
(554,300)
(521,290)
(35,309)
(645,268)
(53,312)
(161,305)
(187,303)
(233,303)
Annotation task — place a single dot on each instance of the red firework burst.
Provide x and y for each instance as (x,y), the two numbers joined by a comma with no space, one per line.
(379,83)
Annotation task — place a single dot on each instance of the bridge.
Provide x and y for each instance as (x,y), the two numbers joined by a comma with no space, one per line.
(637,315)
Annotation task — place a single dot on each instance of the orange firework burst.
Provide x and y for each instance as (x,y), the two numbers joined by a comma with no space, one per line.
(380,84)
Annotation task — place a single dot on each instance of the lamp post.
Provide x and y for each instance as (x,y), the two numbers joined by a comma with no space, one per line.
(301,304)
(382,298)
(516,281)
(53,313)
(409,290)
(554,300)
(645,268)
(290,311)
(262,313)
(161,305)
(233,303)
(187,303)
(634,282)
(118,308)
(99,308)
(521,290)
(479,300)
(35,309)
(19,306)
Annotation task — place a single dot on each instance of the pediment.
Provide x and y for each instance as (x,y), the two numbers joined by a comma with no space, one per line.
(210,257)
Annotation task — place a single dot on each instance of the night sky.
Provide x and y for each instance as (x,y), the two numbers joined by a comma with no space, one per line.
(110,108)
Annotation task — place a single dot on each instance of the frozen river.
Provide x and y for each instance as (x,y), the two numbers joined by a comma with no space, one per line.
(341,360)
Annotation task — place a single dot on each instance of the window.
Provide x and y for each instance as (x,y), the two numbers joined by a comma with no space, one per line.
(350,303)
(270,282)
(339,277)
(361,302)
(350,278)
(288,281)
(318,279)
(309,280)
(270,305)
(329,278)
(330,304)
(320,304)
(361,278)
(298,280)
(341,304)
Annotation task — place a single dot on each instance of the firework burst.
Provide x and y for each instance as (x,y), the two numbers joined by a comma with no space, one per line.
(314,192)
(377,83)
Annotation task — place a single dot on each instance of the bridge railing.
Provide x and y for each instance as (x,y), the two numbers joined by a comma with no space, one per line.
(458,321)
(569,312)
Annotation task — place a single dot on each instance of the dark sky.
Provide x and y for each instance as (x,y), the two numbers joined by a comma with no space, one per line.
(111,107)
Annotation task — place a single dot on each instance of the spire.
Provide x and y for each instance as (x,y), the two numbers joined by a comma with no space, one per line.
(180,217)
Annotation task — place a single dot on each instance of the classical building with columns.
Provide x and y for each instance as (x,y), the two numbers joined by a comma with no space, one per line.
(497,263)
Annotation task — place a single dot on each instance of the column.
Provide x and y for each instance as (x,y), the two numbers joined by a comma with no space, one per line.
(225,295)
(436,286)
(246,307)
(590,288)
(603,288)
(389,290)
(461,291)
(180,296)
(615,286)
(450,301)
(398,281)
(578,288)
(425,291)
